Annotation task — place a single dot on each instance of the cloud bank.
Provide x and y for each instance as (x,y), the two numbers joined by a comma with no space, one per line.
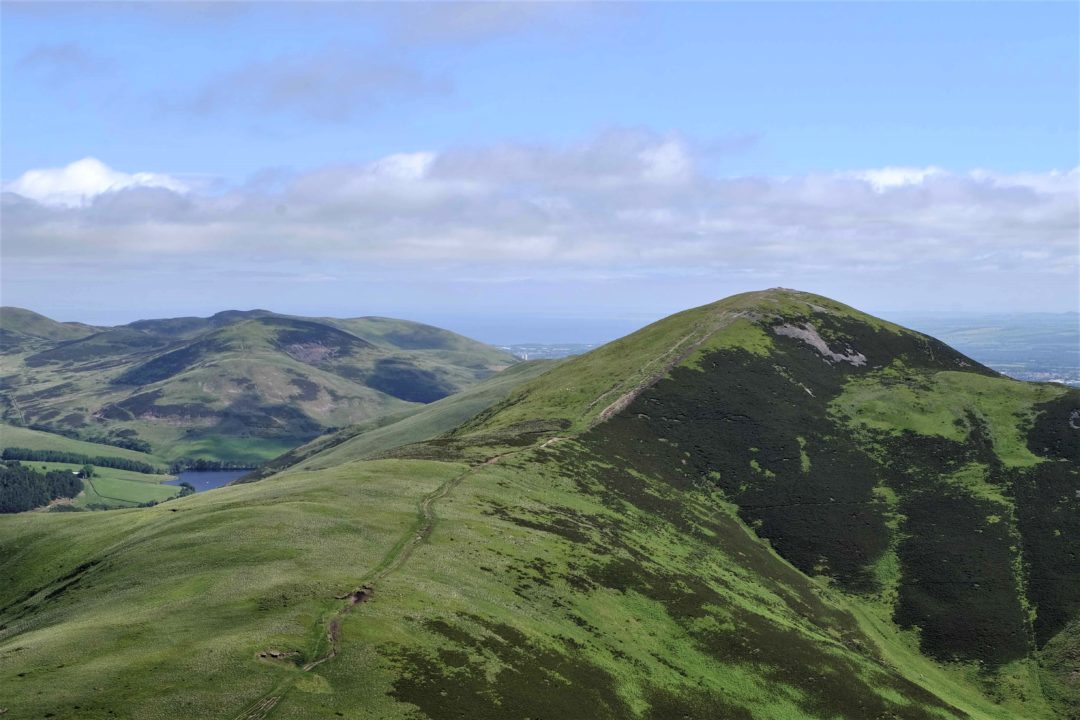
(622,205)
(80,182)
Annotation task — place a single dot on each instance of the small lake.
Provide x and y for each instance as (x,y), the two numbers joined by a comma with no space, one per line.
(207,479)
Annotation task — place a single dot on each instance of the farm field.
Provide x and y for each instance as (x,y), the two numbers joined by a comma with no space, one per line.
(115,488)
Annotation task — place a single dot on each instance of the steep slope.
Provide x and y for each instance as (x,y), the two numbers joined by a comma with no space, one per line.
(240,386)
(736,512)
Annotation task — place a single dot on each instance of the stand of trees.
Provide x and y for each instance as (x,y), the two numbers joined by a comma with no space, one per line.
(27,455)
(24,489)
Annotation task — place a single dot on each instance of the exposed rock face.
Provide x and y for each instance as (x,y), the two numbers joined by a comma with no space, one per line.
(310,353)
(810,336)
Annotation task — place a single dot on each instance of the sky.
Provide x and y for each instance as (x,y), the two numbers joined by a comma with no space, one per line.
(536,172)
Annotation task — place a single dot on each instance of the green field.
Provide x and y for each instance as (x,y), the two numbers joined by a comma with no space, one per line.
(115,488)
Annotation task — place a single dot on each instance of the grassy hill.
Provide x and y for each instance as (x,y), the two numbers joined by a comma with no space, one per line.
(29,324)
(770,507)
(241,386)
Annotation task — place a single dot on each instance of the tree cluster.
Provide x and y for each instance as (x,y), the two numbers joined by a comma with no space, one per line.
(22,488)
(116,463)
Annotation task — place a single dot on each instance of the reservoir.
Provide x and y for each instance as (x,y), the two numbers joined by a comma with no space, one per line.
(208,479)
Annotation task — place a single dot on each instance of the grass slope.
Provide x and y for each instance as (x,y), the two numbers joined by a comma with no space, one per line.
(729,541)
(12,436)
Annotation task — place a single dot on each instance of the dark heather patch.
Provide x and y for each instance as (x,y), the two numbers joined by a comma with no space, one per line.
(110,343)
(144,404)
(735,425)
(50,392)
(829,684)
(308,390)
(692,704)
(404,380)
(1056,430)
(535,682)
(1047,499)
(72,420)
(958,585)
(168,365)
(305,332)
(419,337)
(248,415)
(13,342)
(564,522)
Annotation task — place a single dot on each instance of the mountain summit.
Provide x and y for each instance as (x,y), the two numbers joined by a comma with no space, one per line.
(774,506)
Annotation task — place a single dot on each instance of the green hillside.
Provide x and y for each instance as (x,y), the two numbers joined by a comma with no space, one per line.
(20,437)
(368,440)
(30,324)
(241,386)
(773,507)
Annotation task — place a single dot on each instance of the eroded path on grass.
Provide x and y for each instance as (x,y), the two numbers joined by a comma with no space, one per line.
(365,591)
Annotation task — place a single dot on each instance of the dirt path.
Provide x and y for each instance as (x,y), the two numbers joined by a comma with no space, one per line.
(664,364)
(365,591)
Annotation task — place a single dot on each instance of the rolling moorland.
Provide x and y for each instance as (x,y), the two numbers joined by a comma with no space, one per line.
(238,387)
(773,506)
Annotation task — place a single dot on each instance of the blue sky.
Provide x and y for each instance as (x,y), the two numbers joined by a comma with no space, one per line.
(584,164)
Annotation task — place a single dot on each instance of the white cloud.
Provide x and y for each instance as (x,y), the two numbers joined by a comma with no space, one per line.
(887,178)
(404,166)
(623,204)
(81,181)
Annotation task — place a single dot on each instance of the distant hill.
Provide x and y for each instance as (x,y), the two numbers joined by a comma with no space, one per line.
(773,507)
(24,330)
(240,386)
(368,440)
